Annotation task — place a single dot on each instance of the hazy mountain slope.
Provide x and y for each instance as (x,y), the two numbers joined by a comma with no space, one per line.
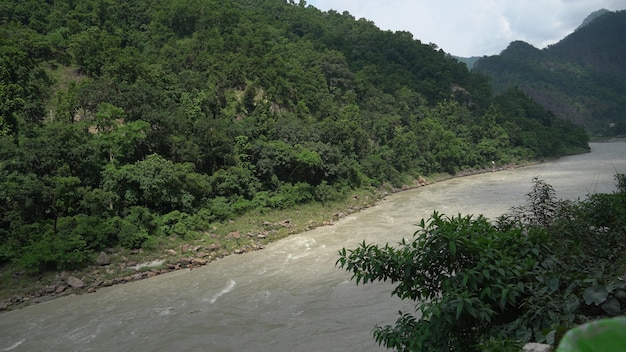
(468,61)
(592,17)
(582,78)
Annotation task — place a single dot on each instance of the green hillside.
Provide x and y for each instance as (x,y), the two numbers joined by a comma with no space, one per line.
(581,79)
(125,122)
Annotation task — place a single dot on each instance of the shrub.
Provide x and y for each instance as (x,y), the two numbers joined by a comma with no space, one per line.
(130,235)
(324,192)
(219,208)
(136,227)
(468,275)
(530,276)
(176,223)
(58,251)
(294,194)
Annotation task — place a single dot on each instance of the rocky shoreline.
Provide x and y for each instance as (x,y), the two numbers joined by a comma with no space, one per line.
(188,256)
(104,274)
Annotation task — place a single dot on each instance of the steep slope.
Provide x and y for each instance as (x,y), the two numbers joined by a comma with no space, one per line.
(126,122)
(592,17)
(581,79)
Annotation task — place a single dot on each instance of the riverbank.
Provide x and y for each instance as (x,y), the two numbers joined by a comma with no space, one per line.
(250,232)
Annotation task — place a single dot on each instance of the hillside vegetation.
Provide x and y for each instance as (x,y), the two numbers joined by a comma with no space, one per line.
(581,79)
(123,123)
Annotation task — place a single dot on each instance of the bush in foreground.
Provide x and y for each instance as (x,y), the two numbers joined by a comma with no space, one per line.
(481,285)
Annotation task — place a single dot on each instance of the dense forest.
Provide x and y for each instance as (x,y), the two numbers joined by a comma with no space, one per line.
(122,121)
(581,79)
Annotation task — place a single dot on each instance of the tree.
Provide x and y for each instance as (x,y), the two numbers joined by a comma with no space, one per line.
(461,270)
(155,183)
(22,82)
(481,285)
(119,138)
(93,49)
(4,127)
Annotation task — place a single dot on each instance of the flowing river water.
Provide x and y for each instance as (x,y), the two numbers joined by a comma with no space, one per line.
(289,296)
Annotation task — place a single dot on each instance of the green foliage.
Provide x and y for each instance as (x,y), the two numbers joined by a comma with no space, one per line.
(178,224)
(156,183)
(96,231)
(219,209)
(324,192)
(464,270)
(480,285)
(134,228)
(66,245)
(51,253)
(234,181)
(600,335)
(195,111)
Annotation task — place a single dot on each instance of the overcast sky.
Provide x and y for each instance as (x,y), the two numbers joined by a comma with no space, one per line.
(475,27)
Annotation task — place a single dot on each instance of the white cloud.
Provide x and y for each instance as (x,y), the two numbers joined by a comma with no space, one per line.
(475,27)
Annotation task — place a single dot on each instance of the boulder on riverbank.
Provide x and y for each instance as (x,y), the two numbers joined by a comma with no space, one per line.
(103,259)
(75,282)
(536,347)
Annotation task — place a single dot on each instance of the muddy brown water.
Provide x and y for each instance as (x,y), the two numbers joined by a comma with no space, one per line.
(289,296)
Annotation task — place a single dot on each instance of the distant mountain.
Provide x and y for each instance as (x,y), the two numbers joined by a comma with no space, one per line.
(592,17)
(468,61)
(582,78)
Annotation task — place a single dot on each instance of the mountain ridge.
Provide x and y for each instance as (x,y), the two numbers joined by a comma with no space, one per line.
(591,17)
(580,78)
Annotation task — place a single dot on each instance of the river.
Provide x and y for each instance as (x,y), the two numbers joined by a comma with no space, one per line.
(289,296)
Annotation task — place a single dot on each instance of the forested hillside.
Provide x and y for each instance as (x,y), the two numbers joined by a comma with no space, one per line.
(123,121)
(581,79)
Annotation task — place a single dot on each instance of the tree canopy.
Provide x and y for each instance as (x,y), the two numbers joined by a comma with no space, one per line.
(120,116)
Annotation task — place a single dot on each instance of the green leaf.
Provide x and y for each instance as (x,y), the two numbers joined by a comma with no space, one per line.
(571,304)
(452,246)
(464,280)
(553,284)
(612,306)
(605,335)
(503,298)
(596,295)
(523,334)
(550,337)
(459,309)
(572,286)
(471,310)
